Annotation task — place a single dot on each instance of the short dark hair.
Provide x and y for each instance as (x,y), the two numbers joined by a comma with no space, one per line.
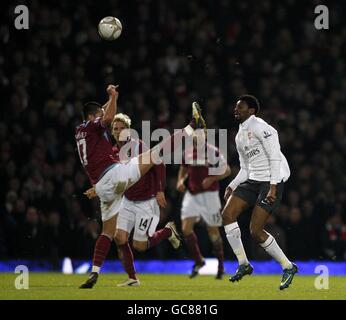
(251,101)
(91,107)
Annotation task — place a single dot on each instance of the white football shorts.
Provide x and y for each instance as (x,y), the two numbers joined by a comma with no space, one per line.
(111,187)
(205,204)
(143,216)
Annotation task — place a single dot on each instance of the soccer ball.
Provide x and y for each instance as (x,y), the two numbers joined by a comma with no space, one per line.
(110,28)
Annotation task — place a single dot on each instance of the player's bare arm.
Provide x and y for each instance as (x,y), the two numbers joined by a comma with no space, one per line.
(111,107)
(208,181)
(228,193)
(271,196)
(182,176)
(91,193)
(161,199)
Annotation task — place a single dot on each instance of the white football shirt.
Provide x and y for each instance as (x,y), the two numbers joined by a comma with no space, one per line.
(259,153)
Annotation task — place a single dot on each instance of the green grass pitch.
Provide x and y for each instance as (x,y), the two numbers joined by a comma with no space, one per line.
(57,286)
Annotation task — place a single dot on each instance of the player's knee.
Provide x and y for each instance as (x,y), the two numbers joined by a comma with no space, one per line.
(213,229)
(213,233)
(108,234)
(140,246)
(227,217)
(186,231)
(120,239)
(255,233)
(108,229)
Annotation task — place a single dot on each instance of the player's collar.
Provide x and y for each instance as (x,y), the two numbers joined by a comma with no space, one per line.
(245,124)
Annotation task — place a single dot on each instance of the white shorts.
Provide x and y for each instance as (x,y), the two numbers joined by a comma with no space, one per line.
(111,187)
(205,204)
(143,216)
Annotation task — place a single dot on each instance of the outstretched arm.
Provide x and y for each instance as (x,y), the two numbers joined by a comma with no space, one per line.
(160,173)
(208,181)
(182,176)
(110,108)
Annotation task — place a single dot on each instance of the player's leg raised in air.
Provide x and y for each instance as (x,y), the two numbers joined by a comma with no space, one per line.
(123,175)
(150,157)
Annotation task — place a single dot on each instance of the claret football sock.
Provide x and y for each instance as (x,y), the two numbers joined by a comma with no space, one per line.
(273,249)
(193,248)
(233,235)
(218,251)
(101,250)
(158,236)
(127,260)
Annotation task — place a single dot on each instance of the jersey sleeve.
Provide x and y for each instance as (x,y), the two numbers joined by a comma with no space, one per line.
(243,173)
(269,139)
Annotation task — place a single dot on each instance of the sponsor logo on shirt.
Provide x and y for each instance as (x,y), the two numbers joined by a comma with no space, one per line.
(252,153)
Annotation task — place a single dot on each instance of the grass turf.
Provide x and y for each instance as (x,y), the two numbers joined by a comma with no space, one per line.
(56,286)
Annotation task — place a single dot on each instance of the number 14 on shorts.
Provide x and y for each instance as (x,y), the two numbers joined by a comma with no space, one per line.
(144,224)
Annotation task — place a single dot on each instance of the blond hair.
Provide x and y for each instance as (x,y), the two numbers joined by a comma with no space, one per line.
(124,118)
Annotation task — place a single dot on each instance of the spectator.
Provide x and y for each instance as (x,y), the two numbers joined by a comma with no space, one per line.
(173,53)
(335,238)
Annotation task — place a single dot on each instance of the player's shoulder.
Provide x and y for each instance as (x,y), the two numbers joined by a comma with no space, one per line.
(96,123)
(259,125)
(89,123)
(82,127)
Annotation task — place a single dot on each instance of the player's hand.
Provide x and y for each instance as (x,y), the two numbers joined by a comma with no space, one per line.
(207,182)
(181,186)
(271,196)
(113,91)
(161,199)
(228,193)
(91,193)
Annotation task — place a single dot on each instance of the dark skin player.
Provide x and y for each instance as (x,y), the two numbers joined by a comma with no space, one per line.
(235,205)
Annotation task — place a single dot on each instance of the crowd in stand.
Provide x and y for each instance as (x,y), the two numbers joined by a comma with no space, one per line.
(170,54)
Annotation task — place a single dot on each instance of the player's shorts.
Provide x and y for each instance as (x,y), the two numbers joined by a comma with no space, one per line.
(205,204)
(111,187)
(143,216)
(254,193)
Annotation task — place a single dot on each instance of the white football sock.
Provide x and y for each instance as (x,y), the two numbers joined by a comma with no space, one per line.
(95,269)
(273,249)
(233,235)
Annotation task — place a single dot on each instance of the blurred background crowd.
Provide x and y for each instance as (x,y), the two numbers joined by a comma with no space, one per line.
(170,53)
